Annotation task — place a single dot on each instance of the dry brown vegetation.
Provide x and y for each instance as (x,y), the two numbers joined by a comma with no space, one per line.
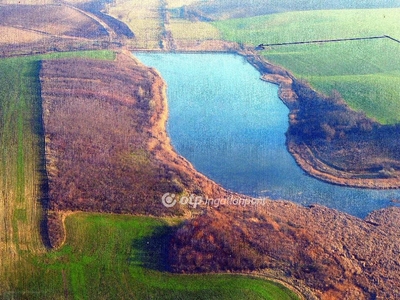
(331,141)
(106,146)
(338,256)
(341,145)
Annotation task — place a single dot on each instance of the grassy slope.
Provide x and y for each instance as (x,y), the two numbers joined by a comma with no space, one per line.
(228,9)
(311,25)
(118,257)
(21,161)
(366,73)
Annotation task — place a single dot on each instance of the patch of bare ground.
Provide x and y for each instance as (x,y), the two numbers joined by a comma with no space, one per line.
(334,254)
(329,140)
(106,143)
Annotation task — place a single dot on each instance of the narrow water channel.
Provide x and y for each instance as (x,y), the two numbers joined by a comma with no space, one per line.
(231,126)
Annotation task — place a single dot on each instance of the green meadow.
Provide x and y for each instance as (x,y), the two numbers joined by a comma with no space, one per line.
(123,257)
(311,25)
(366,73)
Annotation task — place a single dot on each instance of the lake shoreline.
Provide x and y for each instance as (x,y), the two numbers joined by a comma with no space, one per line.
(302,154)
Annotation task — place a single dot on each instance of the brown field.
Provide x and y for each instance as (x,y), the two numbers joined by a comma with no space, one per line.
(11,35)
(51,20)
(106,147)
(34,29)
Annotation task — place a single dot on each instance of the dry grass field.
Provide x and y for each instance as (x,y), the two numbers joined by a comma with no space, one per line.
(50,20)
(35,29)
(143,18)
(11,35)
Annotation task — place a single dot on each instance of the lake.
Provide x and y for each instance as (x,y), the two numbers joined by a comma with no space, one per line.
(231,126)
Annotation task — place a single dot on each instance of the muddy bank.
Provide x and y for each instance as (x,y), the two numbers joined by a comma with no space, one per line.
(329,140)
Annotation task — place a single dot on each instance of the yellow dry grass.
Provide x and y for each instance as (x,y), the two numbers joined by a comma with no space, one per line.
(179,3)
(193,31)
(143,18)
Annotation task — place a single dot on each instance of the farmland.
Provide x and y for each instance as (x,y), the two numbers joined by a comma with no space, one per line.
(230,9)
(365,73)
(123,257)
(22,161)
(93,123)
(36,29)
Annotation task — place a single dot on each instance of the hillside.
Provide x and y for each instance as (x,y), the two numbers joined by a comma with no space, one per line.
(40,28)
(228,9)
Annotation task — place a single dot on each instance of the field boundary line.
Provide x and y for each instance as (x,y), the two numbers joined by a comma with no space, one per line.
(392,38)
(262,46)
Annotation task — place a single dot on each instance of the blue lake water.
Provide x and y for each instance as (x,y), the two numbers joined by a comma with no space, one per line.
(231,126)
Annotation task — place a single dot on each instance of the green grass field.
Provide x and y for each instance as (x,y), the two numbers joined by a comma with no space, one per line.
(122,257)
(21,160)
(311,25)
(366,73)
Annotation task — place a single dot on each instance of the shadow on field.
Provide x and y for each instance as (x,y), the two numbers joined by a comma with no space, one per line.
(151,252)
(38,127)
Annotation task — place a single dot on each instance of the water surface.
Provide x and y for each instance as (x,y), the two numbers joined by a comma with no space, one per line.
(231,126)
